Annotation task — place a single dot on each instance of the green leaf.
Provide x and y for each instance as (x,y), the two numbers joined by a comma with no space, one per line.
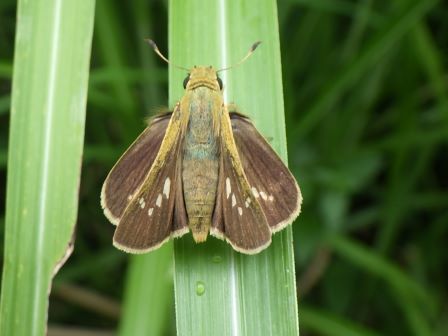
(5,103)
(219,291)
(149,293)
(110,38)
(392,32)
(150,278)
(324,323)
(5,69)
(51,64)
(405,288)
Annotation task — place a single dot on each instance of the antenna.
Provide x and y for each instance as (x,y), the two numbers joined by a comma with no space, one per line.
(157,51)
(251,50)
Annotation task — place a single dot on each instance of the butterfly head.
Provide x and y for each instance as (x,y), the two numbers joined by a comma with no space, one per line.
(203,76)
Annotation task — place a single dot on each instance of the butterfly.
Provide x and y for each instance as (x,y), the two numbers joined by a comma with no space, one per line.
(202,167)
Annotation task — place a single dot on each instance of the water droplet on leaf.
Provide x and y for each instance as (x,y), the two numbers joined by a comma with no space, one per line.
(200,288)
(217,259)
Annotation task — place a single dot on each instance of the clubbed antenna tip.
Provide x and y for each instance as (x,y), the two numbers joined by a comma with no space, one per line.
(251,50)
(152,44)
(157,51)
(254,46)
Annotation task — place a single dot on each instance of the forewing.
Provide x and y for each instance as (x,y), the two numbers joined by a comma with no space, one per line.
(129,172)
(148,221)
(238,216)
(271,181)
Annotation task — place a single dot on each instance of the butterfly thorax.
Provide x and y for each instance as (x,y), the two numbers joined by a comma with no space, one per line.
(200,162)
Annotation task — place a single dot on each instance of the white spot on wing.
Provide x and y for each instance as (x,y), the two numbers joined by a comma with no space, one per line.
(255,192)
(271,198)
(233,200)
(129,197)
(159,200)
(240,211)
(166,187)
(142,205)
(263,195)
(247,202)
(141,200)
(150,211)
(228,187)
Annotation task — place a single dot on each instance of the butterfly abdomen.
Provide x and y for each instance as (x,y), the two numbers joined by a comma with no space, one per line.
(200,162)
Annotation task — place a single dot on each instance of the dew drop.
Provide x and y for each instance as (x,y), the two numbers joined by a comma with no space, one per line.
(200,288)
(216,259)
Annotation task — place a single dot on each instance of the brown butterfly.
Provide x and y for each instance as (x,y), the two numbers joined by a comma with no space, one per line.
(204,168)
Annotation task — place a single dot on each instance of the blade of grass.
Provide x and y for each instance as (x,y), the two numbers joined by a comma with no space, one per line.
(393,31)
(5,103)
(148,293)
(432,62)
(51,65)
(110,38)
(150,276)
(219,291)
(339,7)
(143,18)
(417,321)
(5,69)
(3,158)
(327,324)
(399,281)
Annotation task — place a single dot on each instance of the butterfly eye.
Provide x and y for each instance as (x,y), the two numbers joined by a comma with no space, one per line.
(219,82)
(186,81)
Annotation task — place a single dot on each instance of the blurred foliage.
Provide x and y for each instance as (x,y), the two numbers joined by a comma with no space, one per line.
(365,85)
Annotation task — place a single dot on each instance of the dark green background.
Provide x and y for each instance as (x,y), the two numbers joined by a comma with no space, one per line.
(365,87)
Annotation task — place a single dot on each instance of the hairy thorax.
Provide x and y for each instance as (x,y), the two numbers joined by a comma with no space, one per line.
(200,163)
